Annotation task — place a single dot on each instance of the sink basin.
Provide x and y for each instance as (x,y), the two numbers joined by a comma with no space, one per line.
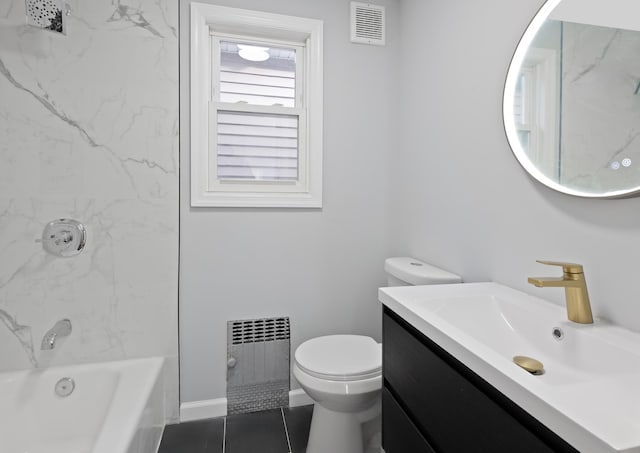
(589,393)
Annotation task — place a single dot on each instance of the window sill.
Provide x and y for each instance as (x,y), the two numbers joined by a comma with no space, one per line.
(255,200)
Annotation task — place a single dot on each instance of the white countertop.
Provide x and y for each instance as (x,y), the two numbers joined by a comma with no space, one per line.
(594,409)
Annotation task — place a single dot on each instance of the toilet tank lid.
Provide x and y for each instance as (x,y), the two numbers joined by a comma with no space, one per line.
(416,272)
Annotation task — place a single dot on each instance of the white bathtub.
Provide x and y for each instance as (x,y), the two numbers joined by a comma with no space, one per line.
(116,407)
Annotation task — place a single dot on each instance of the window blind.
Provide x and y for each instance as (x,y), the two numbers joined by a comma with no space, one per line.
(257,146)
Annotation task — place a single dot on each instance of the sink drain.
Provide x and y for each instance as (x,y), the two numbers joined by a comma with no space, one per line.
(530,364)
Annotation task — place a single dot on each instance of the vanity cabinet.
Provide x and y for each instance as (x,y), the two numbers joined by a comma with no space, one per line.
(433,403)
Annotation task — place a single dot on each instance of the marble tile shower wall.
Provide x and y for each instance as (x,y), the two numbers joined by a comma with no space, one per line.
(600,106)
(89,130)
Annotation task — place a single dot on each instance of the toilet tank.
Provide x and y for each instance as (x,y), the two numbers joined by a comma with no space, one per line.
(404,270)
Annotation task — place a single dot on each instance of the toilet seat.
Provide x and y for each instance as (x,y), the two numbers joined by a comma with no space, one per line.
(340,357)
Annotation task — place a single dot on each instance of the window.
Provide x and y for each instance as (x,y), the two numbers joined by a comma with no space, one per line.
(536,109)
(256,109)
(523,103)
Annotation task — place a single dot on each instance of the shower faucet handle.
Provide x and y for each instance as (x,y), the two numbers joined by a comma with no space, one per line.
(63,237)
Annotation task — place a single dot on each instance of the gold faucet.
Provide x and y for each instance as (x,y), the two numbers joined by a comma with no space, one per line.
(575,289)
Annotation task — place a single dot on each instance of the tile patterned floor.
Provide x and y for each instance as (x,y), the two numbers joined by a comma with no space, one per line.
(274,431)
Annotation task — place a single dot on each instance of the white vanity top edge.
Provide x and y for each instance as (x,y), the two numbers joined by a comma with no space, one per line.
(556,407)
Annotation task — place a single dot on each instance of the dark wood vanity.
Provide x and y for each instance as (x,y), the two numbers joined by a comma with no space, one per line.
(431,402)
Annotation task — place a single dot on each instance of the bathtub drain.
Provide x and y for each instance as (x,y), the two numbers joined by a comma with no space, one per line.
(65,387)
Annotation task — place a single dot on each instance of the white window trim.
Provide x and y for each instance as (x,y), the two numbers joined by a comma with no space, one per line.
(269,26)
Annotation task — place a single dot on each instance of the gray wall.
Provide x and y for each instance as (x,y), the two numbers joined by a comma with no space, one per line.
(320,267)
(463,202)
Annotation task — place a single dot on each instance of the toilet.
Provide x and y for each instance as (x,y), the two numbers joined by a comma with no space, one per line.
(342,374)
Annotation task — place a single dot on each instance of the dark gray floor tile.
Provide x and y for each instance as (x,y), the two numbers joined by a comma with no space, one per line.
(258,432)
(201,436)
(298,423)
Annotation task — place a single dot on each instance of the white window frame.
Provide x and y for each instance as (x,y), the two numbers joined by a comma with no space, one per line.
(274,28)
(299,110)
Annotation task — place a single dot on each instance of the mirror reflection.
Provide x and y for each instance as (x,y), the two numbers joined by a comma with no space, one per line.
(574,114)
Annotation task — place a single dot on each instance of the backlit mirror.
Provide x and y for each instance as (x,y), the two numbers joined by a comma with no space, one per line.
(572,97)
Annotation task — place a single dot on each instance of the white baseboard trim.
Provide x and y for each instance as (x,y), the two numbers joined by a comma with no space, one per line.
(298,397)
(198,410)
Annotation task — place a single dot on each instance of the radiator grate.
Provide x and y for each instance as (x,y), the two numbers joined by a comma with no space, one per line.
(258,353)
(257,330)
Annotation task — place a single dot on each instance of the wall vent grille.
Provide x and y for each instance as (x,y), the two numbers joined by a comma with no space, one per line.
(367,23)
(259,330)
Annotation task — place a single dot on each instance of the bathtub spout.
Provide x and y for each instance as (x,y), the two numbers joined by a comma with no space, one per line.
(61,329)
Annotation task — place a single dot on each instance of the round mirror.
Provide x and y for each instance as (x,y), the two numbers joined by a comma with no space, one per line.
(572,97)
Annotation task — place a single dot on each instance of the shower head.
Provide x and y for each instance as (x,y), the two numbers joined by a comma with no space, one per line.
(47,14)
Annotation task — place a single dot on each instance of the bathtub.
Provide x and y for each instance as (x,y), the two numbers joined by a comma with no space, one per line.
(115,407)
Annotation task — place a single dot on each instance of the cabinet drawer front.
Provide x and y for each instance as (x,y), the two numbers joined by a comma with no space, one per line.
(399,434)
(449,410)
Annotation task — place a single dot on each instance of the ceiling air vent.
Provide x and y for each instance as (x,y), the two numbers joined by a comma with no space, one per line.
(367,24)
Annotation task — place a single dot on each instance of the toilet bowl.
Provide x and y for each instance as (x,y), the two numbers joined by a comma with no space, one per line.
(342,374)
